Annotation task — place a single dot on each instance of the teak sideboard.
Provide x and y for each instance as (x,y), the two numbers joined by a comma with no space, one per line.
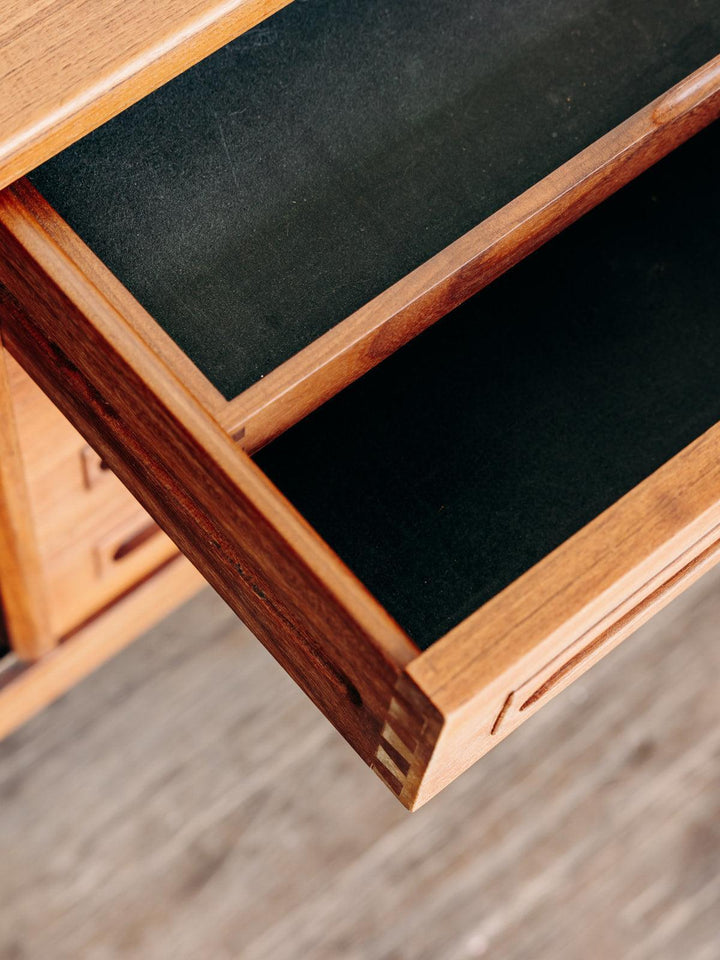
(398,323)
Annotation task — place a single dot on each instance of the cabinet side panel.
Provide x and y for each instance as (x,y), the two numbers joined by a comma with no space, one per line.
(21,579)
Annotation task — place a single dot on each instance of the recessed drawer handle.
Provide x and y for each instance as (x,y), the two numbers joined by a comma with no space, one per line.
(559,675)
(124,543)
(565,666)
(135,541)
(94,468)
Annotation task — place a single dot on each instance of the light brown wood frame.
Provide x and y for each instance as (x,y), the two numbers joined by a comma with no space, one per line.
(24,601)
(68,66)
(418,718)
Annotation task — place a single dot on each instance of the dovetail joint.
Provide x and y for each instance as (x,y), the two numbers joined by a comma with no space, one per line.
(394,757)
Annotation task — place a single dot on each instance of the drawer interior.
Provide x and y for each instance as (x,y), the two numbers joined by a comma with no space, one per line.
(461,461)
(263,196)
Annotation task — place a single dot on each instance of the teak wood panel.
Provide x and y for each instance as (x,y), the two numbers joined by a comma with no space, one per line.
(24,597)
(430,292)
(93,539)
(66,66)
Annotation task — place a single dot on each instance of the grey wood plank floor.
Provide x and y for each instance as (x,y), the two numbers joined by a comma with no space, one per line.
(187,802)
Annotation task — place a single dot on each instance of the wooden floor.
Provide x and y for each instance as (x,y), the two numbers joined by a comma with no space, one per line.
(187,803)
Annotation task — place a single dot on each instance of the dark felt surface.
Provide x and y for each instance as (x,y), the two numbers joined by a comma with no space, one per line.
(263,196)
(458,463)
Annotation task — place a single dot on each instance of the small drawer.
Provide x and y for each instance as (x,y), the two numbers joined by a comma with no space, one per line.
(71,490)
(94,539)
(86,576)
(124,544)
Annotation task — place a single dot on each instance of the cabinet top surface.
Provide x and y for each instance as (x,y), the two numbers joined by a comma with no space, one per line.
(66,66)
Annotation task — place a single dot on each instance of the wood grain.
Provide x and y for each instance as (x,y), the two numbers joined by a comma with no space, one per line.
(275,572)
(66,66)
(24,598)
(76,528)
(377,329)
(145,327)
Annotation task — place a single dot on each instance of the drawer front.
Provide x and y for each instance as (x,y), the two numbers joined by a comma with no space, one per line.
(94,539)
(93,572)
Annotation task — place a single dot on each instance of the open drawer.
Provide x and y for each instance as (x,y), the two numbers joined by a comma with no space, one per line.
(294,208)
(444,545)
